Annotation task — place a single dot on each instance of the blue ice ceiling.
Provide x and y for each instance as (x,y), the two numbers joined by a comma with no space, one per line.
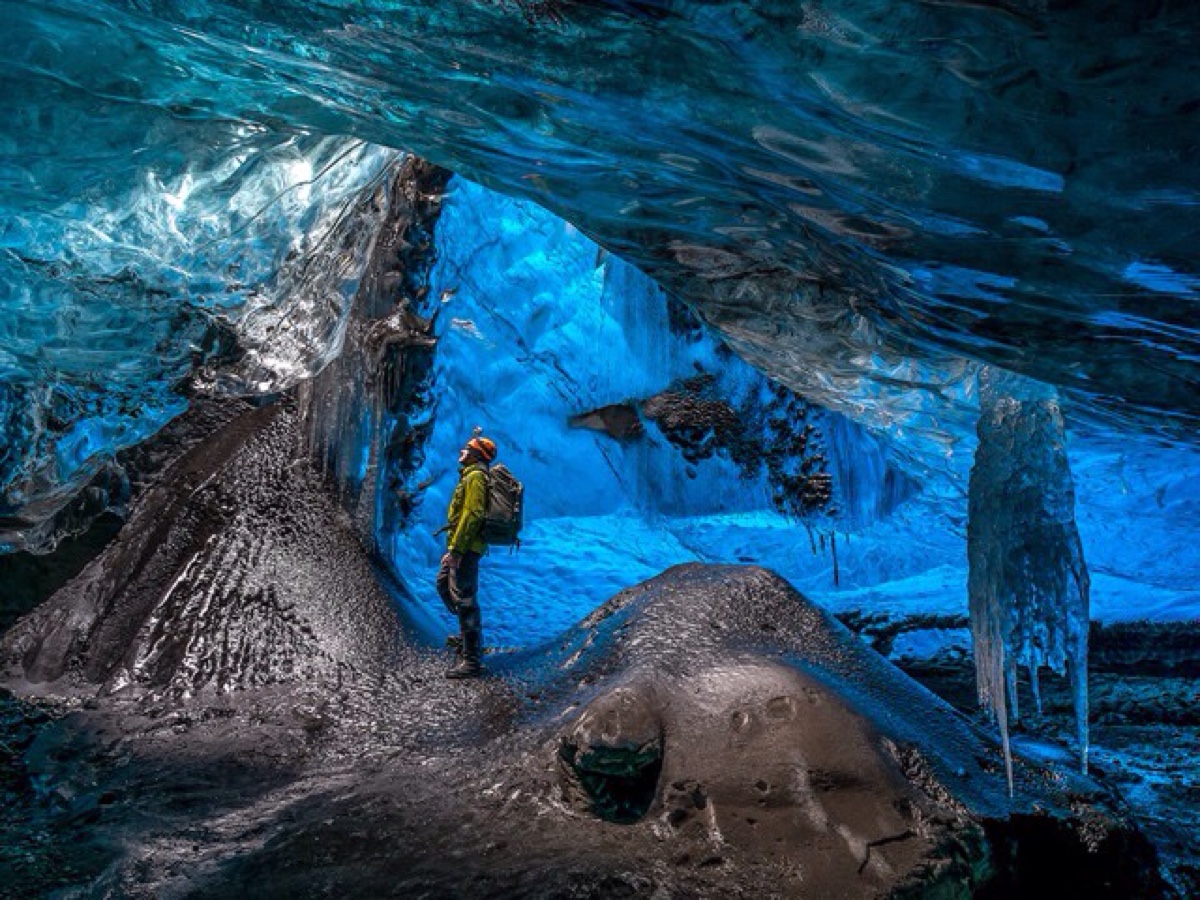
(867,201)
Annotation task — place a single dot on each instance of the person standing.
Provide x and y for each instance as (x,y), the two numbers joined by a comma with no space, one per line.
(458,575)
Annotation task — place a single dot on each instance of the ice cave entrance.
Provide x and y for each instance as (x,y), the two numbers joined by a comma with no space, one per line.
(539,327)
(551,345)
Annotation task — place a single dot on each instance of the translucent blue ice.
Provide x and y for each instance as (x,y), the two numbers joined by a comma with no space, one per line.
(785,167)
(113,300)
(868,201)
(1029,585)
(538,324)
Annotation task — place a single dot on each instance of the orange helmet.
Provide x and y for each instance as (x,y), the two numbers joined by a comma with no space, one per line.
(485,448)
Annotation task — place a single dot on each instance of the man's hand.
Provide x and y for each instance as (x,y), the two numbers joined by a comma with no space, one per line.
(450,560)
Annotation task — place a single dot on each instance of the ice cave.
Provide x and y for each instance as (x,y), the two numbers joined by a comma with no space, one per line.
(848,354)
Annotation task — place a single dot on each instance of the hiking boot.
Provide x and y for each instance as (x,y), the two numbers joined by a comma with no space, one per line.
(454,642)
(466,667)
(468,657)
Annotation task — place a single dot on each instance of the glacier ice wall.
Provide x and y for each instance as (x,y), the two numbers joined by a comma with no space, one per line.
(228,264)
(364,413)
(1024,195)
(536,325)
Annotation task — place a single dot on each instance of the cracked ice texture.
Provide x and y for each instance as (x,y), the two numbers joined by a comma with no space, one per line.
(867,199)
(240,246)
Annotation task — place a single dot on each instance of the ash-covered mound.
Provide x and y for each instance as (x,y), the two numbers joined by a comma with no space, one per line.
(258,718)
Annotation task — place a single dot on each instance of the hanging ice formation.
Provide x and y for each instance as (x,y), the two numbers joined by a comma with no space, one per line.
(363,413)
(1028,583)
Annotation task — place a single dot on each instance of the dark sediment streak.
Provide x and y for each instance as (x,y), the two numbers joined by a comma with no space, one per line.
(376,392)
(83,527)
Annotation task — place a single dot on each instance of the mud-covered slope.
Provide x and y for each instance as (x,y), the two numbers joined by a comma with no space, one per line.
(236,571)
(251,714)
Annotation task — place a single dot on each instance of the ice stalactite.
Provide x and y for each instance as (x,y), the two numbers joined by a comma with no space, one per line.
(654,355)
(1028,583)
(364,411)
(867,481)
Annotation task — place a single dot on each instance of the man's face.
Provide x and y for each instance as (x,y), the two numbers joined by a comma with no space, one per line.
(464,456)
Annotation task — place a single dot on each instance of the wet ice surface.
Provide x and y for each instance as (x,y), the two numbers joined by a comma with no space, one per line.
(570,564)
(1023,196)
(301,739)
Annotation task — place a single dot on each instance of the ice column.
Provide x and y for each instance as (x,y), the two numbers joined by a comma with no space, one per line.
(1028,583)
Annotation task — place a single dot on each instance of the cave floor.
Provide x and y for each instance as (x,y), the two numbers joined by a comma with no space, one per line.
(1145,741)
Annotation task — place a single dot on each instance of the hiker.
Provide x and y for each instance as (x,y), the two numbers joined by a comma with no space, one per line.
(458,576)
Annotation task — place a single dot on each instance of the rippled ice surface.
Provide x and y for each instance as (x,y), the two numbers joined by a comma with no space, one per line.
(866,198)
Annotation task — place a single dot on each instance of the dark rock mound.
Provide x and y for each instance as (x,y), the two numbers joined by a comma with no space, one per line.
(235,571)
(258,722)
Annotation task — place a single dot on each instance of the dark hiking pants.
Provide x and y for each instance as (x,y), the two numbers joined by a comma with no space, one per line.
(459,589)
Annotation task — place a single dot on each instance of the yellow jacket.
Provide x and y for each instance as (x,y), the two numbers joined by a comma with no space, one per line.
(468,510)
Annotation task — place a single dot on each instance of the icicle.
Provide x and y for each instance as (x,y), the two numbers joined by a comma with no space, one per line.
(1035,688)
(1028,582)
(1014,702)
(990,663)
(1079,691)
(1002,718)
(833,549)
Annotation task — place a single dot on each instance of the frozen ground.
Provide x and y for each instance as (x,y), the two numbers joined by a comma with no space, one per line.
(569,565)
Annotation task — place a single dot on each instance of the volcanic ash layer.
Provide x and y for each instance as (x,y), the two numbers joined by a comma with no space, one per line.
(240,708)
